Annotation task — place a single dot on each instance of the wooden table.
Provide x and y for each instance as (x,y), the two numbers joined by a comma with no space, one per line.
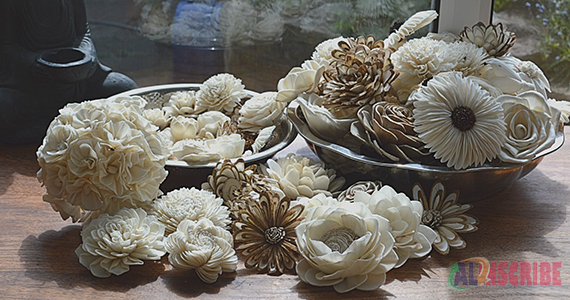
(527,222)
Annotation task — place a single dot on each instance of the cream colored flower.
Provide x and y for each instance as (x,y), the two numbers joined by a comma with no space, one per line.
(458,121)
(210,124)
(183,128)
(228,146)
(301,176)
(320,120)
(420,59)
(443,214)
(262,138)
(182,103)
(564,107)
(158,117)
(316,200)
(113,243)
(222,92)
(467,57)
(202,246)
(297,81)
(411,25)
(189,204)
(363,186)
(529,127)
(194,152)
(413,240)
(513,76)
(259,112)
(493,38)
(323,51)
(346,247)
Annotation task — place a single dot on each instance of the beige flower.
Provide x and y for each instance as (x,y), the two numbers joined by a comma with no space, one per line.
(183,128)
(316,200)
(323,51)
(363,186)
(320,120)
(444,215)
(189,204)
(420,59)
(113,243)
(467,57)
(158,117)
(222,92)
(194,152)
(211,123)
(513,76)
(260,111)
(411,25)
(346,247)
(262,138)
(297,81)
(230,180)
(264,233)
(493,38)
(564,107)
(458,121)
(182,103)
(202,246)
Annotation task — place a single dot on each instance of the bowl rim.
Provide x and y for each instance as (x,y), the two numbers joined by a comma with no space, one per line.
(267,153)
(303,130)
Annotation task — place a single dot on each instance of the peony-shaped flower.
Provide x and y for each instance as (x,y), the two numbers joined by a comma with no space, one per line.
(458,121)
(182,103)
(259,112)
(222,92)
(301,176)
(529,126)
(420,59)
(388,128)
(493,38)
(413,240)
(189,204)
(113,243)
(346,247)
(202,246)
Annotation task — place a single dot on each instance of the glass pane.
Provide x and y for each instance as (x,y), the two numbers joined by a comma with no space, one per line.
(259,41)
(543,36)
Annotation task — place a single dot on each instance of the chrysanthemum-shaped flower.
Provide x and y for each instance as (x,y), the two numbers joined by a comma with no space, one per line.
(323,51)
(467,58)
(413,240)
(112,243)
(202,246)
(388,128)
(264,233)
(346,247)
(493,38)
(361,186)
(411,25)
(420,59)
(259,112)
(182,103)
(444,215)
(529,126)
(189,204)
(458,121)
(222,92)
(301,176)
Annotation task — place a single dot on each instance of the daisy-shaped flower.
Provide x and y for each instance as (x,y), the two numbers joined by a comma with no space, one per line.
(445,216)
(458,120)
(264,233)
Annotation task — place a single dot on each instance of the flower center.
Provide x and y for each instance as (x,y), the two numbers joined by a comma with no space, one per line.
(463,118)
(274,235)
(432,218)
(339,239)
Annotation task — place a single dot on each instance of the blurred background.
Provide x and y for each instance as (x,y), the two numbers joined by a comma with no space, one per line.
(259,41)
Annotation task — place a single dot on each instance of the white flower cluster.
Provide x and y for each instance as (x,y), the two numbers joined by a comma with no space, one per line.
(101,156)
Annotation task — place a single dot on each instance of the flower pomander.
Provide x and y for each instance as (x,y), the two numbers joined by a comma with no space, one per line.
(189,204)
(113,243)
(493,38)
(413,240)
(301,176)
(201,246)
(222,92)
(443,214)
(458,121)
(101,156)
(264,233)
(345,246)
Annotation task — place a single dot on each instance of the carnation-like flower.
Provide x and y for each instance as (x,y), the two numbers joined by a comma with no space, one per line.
(106,154)
(113,243)
(323,51)
(158,117)
(529,127)
(182,103)
(493,38)
(189,204)
(458,121)
(420,59)
(388,128)
(264,233)
(360,186)
(222,92)
(467,57)
(259,112)
(444,215)
(413,240)
(346,247)
(202,246)
(301,176)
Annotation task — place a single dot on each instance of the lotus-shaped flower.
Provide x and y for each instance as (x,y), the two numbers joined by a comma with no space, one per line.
(160,118)
(182,103)
(493,38)
(346,247)
(361,186)
(320,120)
(183,128)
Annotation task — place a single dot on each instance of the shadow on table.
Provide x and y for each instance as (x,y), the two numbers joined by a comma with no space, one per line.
(307,291)
(188,284)
(16,159)
(51,257)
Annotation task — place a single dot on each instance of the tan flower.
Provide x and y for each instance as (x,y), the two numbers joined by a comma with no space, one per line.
(493,38)
(444,215)
(222,92)
(388,128)
(230,180)
(323,51)
(264,233)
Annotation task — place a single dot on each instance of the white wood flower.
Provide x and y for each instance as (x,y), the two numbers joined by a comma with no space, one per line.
(182,128)
(320,120)
(413,240)
(316,200)
(203,247)
(189,204)
(222,92)
(210,123)
(323,51)
(160,118)
(346,247)
(113,243)
(529,126)
(297,81)
(262,138)
(420,59)
(411,25)
(182,103)
(196,151)
(259,112)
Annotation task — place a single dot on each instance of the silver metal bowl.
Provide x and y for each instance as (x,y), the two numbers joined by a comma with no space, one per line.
(182,173)
(474,184)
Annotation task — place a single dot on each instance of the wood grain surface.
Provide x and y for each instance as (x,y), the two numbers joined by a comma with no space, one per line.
(527,222)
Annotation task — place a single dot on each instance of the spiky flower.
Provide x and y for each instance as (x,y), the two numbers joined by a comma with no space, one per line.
(493,38)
